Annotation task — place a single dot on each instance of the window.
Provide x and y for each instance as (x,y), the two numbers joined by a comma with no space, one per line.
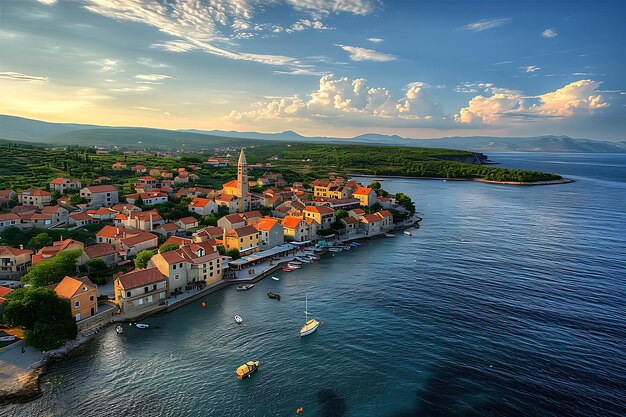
(84,288)
(127,293)
(145,289)
(76,304)
(174,266)
(91,298)
(149,299)
(140,301)
(180,265)
(154,287)
(176,276)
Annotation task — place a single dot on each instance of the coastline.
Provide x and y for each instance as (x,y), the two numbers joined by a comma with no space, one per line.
(25,386)
(551,182)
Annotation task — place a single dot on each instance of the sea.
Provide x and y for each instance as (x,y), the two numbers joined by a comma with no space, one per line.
(506,301)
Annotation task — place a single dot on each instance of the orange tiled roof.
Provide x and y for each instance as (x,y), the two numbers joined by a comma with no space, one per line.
(291,222)
(141,277)
(230,184)
(362,191)
(101,188)
(69,286)
(319,209)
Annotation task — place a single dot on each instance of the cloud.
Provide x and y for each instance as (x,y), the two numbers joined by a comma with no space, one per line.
(357,7)
(107,64)
(174,46)
(485,24)
(363,54)
(468,87)
(18,76)
(150,63)
(530,68)
(549,33)
(566,101)
(375,40)
(152,77)
(301,71)
(136,89)
(303,24)
(47,2)
(349,99)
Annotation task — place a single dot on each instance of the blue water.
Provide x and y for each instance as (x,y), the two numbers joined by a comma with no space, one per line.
(508,301)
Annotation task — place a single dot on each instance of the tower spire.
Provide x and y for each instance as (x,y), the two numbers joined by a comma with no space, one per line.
(242,182)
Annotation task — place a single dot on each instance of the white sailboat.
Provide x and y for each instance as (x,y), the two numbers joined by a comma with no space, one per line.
(309,325)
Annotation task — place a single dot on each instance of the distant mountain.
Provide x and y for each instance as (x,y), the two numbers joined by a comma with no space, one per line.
(17,128)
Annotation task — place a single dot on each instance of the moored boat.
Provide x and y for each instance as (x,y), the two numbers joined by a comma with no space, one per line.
(314,258)
(303,259)
(238,319)
(309,325)
(245,287)
(276,278)
(273,295)
(287,269)
(142,325)
(294,264)
(247,369)
(355,244)
(407,233)
(335,249)
(7,338)
(389,235)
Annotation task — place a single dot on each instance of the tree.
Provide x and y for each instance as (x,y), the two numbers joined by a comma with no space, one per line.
(169,247)
(97,264)
(139,201)
(46,318)
(210,220)
(76,199)
(39,241)
(142,258)
(376,207)
(375,185)
(221,249)
(234,253)
(340,214)
(52,270)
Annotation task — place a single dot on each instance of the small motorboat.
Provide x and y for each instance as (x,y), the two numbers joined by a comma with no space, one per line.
(245,287)
(294,264)
(314,258)
(119,329)
(389,235)
(335,249)
(304,259)
(7,338)
(287,269)
(142,325)
(348,247)
(276,278)
(355,244)
(238,319)
(247,369)
(273,295)
(407,233)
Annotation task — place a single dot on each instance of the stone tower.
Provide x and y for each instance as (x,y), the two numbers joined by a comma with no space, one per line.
(242,182)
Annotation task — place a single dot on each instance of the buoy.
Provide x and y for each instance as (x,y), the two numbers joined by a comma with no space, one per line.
(298,410)
(203,304)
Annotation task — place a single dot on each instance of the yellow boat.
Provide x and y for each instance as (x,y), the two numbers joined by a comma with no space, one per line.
(247,369)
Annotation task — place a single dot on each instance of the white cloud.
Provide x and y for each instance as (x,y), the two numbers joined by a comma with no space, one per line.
(136,89)
(564,102)
(476,87)
(375,40)
(485,24)
(304,24)
(549,33)
(47,2)
(363,54)
(358,7)
(18,76)
(530,68)
(174,46)
(152,77)
(150,63)
(352,99)
(301,71)
(107,64)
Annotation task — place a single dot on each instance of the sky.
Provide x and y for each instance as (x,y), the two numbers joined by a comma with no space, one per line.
(341,68)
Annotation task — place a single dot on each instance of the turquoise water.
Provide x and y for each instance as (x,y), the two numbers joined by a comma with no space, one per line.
(508,301)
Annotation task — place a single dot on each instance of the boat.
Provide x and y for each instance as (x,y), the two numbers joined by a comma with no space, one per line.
(273,295)
(276,278)
(303,259)
(389,235)
(309,325)
(247,369)
(295,264)
(238,319)
(142,325)
(407,233)
(347,247)
(245,287)
(335,249)
(355,244)
(287,268)
(119,329)
(314,258)
(7,338)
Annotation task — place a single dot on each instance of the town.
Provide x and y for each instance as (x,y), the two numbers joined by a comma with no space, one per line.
(169,242)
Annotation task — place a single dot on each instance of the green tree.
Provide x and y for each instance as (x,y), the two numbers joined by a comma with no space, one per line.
(142,258)
(76,199)
(221,249)
(46,318)
(52,270)
(375,185)
(210,220)
(169,247)
(139,201)
(97,264)
(234,253)
(39,241)
(340,214)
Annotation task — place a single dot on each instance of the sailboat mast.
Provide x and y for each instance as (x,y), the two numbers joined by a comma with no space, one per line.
(306,308)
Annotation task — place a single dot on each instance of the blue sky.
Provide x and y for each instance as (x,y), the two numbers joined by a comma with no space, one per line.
(320,67)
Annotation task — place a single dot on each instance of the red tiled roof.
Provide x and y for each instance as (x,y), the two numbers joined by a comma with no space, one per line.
(371,218)
(291,222)
(199,202)
(169,227)
(234,218)
(266,224)
(101,188)
(230,184)
(9,216)
(319,209)
(8,250)
(252,214)
(349,220)
(141,277)
(177,240)
(4,291)
(362,191)
(98,250)
(188,220)
(226,197)
(135,240)
(80,216)
(36,193)
(242,231)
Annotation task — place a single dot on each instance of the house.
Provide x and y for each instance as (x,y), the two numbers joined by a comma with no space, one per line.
(14,262)
(371,223)
(230,188)
(119,166)
(148,198)
(125,208)
(36,220)
(140,291)
(366,195)
(182,178)
(193,177)
(189,265)
(323,215)
(351,224)
(245,239)
(57,213)
(102,214)
(271,233)
(147,182)
(229,201)
(10,220)
(81,293)
(129,242)
(252,216)
(356,213)
(295,228)
(202,206)
(101,180)
(143,220)
(100,196)
(386,220)
(167,229)
(188,223)
(33,197)
(63,185)
(104,251)
(138,168)
(80,219)
(231,221)
(8,195)
(211,232)
(49,251)
(177,240)
(155,172)
(23,210)
(166,174)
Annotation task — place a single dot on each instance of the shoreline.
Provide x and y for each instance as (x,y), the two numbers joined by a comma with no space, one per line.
(549,182)
(26,387)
